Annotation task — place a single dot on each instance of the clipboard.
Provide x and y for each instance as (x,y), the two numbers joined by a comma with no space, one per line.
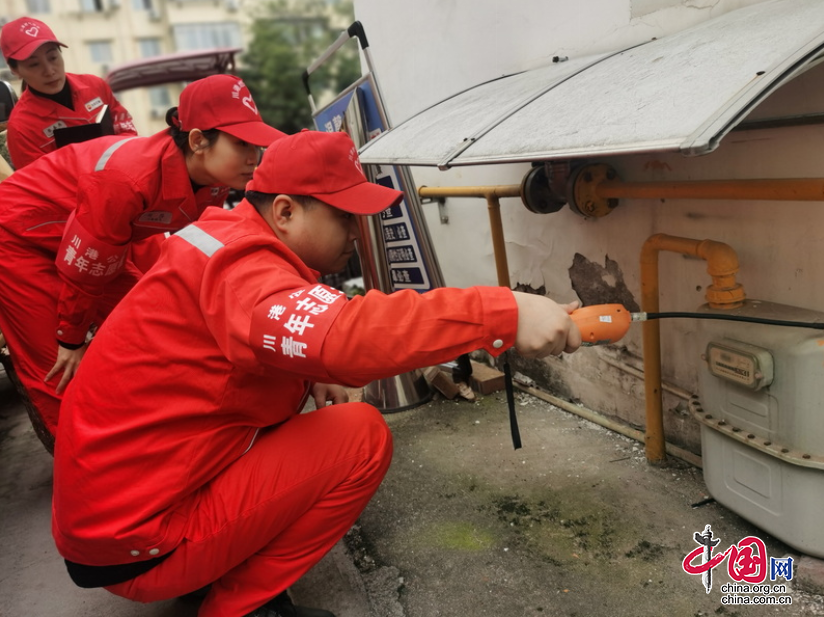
(101,126)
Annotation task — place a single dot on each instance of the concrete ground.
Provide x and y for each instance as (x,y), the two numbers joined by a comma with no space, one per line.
(574,524)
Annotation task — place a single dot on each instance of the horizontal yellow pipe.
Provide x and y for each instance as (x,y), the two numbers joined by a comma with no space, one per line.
(496,227)
(501,190)
(787,189)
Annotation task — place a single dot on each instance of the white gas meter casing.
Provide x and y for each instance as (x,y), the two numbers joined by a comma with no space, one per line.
(761,407)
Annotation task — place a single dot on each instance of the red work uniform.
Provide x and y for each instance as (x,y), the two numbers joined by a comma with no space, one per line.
(57,278)
(181,437)
(34,119)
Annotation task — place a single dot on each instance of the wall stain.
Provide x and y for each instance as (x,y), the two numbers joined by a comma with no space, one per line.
(543,371)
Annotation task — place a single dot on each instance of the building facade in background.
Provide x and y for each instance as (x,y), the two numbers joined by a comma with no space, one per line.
(102,34)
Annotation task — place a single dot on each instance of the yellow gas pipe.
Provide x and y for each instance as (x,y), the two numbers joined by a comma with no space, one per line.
(596,189)
(496,228)
(724,293)
(722,263)
(779,189)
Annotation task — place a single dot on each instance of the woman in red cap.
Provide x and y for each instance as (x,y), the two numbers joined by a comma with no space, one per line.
(68,219)
(52,99)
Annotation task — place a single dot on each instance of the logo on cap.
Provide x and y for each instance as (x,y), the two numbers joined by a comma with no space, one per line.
(31,29)
(353,156)
(246,100)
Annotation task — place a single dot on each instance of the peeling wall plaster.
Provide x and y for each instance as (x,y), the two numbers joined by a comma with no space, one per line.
(596,284)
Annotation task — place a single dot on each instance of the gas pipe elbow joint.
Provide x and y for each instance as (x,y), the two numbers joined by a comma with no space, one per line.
(722,265)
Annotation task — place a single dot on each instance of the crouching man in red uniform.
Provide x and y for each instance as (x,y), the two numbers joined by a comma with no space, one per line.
(183,458)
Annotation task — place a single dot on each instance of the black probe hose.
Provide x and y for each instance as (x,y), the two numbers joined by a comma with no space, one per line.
(761,320)
(513,422)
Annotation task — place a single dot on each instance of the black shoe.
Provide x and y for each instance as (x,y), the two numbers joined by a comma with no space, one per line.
(281,606)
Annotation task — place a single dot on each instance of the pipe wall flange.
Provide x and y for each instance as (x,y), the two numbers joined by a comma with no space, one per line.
(583,190)
(539,190)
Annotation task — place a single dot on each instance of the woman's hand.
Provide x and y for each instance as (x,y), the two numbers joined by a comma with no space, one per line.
(323,392)
(67,361)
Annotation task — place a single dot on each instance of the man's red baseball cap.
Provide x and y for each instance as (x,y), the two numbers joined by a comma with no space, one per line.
(324,166)
(20,38)
(224,102)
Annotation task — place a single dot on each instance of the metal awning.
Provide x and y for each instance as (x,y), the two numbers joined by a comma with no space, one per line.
(182,66)
(682,92)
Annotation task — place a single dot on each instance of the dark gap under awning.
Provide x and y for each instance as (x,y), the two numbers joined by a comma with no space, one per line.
(683,93)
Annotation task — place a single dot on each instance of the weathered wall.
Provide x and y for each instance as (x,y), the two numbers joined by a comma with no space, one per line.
(427,50)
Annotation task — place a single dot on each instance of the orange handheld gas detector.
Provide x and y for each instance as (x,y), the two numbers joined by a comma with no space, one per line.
(602,324)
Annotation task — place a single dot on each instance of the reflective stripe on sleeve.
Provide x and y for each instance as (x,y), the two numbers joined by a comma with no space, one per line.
(199,239)
(104,158)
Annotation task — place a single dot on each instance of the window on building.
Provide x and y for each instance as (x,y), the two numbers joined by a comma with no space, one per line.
(190,37)
(159,98)
(142,5)
(38,6)
(149,47)
(91,6)
(299,29)
(101,51)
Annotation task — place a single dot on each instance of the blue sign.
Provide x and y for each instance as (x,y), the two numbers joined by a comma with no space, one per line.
(404,257)
(330,119)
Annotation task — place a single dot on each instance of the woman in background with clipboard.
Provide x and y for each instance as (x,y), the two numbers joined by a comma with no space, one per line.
(68,222)
(54,101)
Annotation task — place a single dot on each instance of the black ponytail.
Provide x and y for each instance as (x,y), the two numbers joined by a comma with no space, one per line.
(181,137)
